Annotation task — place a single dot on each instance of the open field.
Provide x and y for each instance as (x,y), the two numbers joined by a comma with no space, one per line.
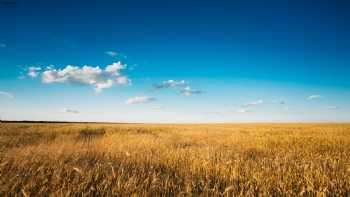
(181,160)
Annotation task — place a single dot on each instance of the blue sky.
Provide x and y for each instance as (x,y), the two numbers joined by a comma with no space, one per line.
(175,61)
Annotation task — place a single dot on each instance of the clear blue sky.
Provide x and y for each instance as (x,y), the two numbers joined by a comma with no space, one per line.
(229,61)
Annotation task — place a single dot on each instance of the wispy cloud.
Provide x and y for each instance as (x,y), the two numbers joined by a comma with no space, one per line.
(33,71)
(68,110)
(87,75)
(2,45)
(111,53)
(7,94)
(188,91)
(252,104)
(170,84)
(313,97)
(180,85)
(139,100)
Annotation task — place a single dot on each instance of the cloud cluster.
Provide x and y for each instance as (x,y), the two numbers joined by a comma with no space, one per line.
(140,100)
(2,45)
(87,75)
(313,97)
(7,94)
(181,85)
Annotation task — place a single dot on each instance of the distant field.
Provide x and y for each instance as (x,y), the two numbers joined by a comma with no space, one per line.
(62,159)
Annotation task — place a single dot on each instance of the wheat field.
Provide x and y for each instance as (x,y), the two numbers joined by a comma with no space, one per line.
(57,159)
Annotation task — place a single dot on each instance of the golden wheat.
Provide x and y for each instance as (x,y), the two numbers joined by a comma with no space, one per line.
(175,160)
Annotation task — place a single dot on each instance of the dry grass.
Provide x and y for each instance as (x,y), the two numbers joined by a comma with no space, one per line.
(180,160)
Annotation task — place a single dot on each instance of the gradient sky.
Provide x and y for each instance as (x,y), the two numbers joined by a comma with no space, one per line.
(230,61)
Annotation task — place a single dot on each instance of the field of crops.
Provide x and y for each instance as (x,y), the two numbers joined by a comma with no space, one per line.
(174,160)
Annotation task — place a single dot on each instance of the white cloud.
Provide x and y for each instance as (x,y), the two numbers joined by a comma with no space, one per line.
(170,84)
(7,94)
(312,97)
(115,68)
(103,85)
(123,80)
(2,45)
(188,91)
(87,75)
(139,100)
(254,103)
(111,53)
(71,111)
(33,71)
(73,74)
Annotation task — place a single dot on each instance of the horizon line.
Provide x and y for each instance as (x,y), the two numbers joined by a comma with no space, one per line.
(184,123)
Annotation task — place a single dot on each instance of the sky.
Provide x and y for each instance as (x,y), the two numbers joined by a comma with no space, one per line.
(175,61)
